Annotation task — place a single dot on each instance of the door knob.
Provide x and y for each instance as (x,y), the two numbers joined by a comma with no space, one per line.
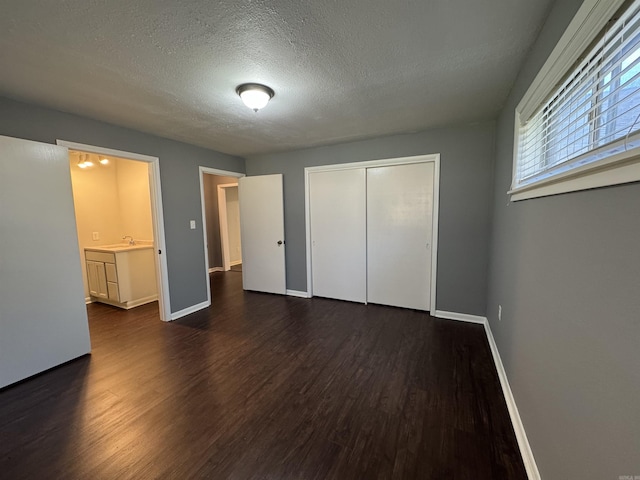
(280,242)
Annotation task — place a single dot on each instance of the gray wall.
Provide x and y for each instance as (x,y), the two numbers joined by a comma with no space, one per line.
(179,176)
(210,184)
(566,270)
(465,195)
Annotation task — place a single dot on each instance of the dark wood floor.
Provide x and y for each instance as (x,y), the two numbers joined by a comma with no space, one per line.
(267,387)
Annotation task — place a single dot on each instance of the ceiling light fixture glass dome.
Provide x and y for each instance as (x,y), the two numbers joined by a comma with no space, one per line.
(254,95)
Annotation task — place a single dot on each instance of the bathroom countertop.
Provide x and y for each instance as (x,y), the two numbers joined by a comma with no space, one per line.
(120,247)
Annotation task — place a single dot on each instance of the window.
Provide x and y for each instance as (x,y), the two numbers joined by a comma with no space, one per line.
(590,120)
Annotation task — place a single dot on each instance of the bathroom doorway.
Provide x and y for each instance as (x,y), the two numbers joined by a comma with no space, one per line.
(119,226)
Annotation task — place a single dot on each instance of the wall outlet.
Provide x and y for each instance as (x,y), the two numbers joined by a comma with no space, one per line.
(499,312)
(192,224)
(95,235)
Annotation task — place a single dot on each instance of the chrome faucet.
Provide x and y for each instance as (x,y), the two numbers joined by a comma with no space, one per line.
(131,240)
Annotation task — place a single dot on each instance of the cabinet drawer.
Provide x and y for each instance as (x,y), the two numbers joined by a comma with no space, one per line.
(112,276)
(100,256)
(113,291)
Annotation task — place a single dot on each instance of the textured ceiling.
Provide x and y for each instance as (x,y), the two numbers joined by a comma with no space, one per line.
(341,69)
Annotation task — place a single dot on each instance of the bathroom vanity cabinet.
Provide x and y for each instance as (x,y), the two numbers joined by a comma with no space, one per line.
(121,275)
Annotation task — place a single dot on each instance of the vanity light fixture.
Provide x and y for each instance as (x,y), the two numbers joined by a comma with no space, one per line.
(84,160)
(254,95)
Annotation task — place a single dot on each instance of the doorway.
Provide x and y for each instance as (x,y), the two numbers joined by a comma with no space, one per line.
(120,226)
(221,222)
(229,225)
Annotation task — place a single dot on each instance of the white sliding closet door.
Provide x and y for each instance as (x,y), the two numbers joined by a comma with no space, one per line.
(338,232)
(399,226)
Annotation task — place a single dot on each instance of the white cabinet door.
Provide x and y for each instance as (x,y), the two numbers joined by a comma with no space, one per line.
(337,214)
(92,278)
(399,225)
(262,230)
(97,279)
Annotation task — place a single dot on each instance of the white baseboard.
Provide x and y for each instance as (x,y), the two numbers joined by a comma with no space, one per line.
(297,293)
(188,310)
(521,435)
(125,305)
(462,317)
(216,269)
(87,300)
(142,301)
(237,262)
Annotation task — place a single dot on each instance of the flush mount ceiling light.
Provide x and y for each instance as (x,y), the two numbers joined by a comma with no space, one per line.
(254,95)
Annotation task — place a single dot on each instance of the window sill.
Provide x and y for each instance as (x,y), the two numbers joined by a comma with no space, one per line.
(617,169)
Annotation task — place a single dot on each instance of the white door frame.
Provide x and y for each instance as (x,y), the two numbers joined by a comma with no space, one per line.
(223,173)
(434,158)
(224,225)
(157,215)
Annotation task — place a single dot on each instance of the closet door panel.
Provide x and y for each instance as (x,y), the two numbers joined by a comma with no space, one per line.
(399,226)
(338,234)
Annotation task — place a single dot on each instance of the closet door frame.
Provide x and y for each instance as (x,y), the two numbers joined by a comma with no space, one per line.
(433,158)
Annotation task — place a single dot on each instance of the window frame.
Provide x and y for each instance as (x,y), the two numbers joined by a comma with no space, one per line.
(611,164)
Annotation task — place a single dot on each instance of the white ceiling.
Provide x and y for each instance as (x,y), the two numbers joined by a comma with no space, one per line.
(341,69)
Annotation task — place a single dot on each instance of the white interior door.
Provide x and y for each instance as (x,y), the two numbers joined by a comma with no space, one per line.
(262,230)
(43,319)
(337,208)
(399,226)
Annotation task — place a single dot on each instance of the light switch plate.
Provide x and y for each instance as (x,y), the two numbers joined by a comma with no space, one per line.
(95,235)
(192,224)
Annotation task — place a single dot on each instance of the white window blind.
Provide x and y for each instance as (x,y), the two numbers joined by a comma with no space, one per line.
(594,113)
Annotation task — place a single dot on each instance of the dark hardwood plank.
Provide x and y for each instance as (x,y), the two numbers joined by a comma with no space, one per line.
(269,387)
